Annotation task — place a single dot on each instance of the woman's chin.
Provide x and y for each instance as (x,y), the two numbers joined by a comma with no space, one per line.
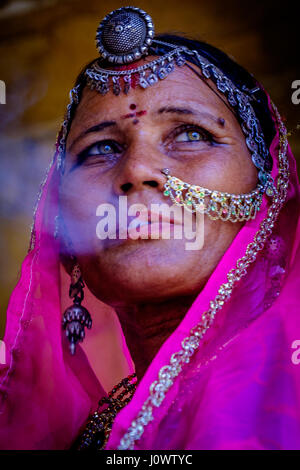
(136,280)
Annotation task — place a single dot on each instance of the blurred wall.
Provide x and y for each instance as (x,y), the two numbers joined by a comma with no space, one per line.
(44,43)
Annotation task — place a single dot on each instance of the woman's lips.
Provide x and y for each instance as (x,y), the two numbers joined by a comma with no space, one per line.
(153,230)
(150,225)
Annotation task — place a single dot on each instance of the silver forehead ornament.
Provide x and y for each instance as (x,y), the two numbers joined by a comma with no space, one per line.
(126,35)
(123,37)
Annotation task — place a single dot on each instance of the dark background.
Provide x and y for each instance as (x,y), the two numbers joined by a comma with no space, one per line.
(44,43)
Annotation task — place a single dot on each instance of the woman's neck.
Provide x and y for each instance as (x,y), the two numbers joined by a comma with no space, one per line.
(147,326)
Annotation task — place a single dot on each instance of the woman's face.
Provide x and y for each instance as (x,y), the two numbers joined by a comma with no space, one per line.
(117,146)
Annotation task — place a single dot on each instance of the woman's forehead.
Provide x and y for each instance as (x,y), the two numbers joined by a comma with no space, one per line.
(183,88)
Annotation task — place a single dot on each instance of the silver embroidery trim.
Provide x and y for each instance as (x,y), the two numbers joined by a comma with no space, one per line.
(168,373)
(39,195)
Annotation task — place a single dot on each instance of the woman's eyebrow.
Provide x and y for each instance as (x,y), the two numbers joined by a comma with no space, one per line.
(97,128)
(179,110)
(176,110)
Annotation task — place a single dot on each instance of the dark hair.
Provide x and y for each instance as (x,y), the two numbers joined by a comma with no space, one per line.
(236,73)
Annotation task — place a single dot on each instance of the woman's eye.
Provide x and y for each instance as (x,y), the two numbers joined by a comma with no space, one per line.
(102,148)
(190,136)
(100,152)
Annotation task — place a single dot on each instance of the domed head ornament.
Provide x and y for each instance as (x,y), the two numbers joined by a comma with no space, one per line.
(124,35)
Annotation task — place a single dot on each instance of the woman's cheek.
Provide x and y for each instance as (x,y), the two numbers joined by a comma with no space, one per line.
(78,210)
(227,168)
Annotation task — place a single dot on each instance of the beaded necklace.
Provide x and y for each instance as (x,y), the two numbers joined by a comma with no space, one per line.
(99,424)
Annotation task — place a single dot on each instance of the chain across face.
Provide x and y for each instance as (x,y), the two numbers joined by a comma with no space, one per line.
(124,36)
(215,204)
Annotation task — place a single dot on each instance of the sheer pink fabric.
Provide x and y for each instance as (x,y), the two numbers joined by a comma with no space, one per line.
(241,390)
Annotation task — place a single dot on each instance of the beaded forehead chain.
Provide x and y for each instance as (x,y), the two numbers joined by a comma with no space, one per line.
(126,35)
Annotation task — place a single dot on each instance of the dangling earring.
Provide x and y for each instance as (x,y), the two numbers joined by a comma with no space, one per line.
(76,317)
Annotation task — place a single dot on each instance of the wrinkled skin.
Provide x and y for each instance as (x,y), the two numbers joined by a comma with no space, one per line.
(150,283)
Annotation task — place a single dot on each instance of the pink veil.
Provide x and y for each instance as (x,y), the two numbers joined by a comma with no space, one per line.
(240,390)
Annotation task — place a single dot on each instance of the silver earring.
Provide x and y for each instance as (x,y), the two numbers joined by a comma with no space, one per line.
(76,317)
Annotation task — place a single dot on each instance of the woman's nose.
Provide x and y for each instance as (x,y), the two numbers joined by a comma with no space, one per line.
(139,170)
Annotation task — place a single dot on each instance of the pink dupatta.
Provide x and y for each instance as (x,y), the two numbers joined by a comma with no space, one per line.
(240,390)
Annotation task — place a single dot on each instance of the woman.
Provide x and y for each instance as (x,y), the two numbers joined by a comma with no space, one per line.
(210,334)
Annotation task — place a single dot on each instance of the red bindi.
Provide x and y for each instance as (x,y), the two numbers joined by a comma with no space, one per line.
(141,113)
(132,106)
(130,115)
(135,114)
